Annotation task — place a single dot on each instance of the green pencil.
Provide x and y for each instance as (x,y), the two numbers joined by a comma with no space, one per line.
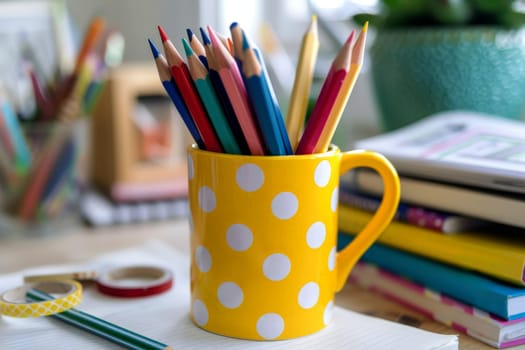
(104,329)
(211,102)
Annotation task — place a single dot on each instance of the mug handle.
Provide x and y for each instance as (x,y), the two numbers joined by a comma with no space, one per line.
(348,257)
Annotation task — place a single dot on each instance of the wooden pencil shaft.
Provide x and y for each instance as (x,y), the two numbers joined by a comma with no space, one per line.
(302,83)
(100,327)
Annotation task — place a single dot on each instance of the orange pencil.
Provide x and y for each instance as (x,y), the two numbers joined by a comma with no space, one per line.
(236,91)
(327,97)
(95,29)
(182,78)
(356,63)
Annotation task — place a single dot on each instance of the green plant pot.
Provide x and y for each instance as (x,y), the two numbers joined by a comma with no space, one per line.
(418,72)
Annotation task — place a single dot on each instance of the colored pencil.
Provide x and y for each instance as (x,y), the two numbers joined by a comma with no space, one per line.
(18,145)
(238,43)
(183,81)
(40,172)
(302,83)
(202,82)
(197,47)
(236,91)
(223,95)
(100,327)
(277,116)
(324,104)
(237,34)
(95,29)
(262,103)
(41,98)
(358,53)
(171,89)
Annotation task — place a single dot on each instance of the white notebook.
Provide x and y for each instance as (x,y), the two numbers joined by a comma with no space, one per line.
(165,317)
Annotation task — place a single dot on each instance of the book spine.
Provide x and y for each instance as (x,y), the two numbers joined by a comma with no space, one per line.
(459,316)
(416,215)
(492,255)
(463,285)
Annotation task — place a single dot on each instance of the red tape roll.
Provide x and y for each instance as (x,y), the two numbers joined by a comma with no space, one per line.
(135,281)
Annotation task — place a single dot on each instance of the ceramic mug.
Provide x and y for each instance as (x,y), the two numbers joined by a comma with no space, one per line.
(263,247)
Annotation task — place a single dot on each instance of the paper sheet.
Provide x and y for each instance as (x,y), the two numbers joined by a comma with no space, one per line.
(165,317)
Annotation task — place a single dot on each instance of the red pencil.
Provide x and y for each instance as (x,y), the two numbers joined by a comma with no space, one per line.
(182,78)
(327,97)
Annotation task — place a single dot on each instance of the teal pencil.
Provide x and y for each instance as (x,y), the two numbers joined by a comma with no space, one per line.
(100,327)
(211,102)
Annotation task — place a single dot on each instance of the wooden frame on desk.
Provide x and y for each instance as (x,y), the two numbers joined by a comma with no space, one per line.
(115,155)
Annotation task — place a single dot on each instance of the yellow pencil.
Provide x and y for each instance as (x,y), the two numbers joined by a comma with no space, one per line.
(302,83)
(358,52)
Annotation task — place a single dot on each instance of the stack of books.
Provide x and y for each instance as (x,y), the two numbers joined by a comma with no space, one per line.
(455,251)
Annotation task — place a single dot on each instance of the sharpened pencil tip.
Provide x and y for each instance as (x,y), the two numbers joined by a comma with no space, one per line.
(365,27)
(245,42)
(204,36)
(153,48)
(213,37)
(162,34)
(233,25)
(189,33)
(187,47)
(350,37)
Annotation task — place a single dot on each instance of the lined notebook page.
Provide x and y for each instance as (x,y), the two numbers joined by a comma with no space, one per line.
(165,317)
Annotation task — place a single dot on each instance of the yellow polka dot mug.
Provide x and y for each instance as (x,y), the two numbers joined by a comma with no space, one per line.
(263,246)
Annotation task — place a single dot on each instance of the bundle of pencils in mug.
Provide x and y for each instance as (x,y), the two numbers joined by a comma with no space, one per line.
(226,100)
(39,155)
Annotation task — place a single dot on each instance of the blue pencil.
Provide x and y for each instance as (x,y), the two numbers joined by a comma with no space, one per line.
(169,86)
(263,103)
(240,44)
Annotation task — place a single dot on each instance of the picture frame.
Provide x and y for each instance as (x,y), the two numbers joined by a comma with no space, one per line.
(119,167)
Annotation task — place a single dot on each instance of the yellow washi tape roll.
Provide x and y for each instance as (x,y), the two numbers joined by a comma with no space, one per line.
(13,302)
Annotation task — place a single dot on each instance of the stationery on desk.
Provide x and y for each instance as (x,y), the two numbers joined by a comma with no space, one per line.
(164,318)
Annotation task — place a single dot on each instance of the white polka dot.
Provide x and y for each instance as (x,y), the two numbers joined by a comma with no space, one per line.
(316,235)
(191,171)
(270,326)
(207,201)
(334,201)
(322,173)
(328,313)
(250,177)
(285,205)
(308,295)
(200,313)
(331,259)
(203,259)
(276,267)
(230,295)
(239,237)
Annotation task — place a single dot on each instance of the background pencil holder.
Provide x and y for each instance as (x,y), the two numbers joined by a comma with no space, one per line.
(42,192)
(264,264)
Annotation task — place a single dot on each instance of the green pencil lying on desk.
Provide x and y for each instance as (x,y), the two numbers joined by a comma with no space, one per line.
(104,329)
